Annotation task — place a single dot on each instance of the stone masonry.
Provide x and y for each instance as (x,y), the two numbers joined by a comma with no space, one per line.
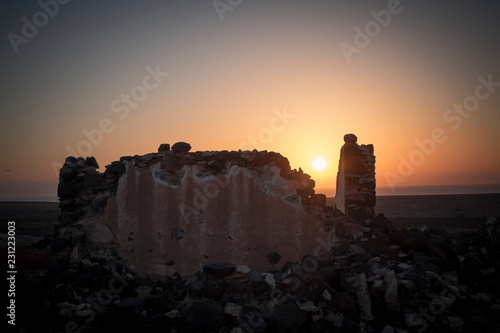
(356,181)
(176,210)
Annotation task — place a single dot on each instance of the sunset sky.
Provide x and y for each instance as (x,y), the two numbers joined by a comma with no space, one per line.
(287,76)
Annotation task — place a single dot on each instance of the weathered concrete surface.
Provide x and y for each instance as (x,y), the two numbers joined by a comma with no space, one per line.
(241,216)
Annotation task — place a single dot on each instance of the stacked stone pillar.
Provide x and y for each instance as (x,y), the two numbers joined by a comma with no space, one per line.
(356,181)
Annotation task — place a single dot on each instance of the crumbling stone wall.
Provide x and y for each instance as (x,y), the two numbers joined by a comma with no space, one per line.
(175,210)
(356,182)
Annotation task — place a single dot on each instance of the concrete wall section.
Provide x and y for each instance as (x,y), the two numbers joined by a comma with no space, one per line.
(175,210)
(241,217)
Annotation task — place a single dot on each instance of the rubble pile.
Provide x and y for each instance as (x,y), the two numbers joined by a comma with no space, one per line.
(374,279)
(359,272)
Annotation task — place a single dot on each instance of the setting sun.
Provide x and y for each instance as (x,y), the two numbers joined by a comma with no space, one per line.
(319,164)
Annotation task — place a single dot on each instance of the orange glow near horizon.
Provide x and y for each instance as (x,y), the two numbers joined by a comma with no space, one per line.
(267,78)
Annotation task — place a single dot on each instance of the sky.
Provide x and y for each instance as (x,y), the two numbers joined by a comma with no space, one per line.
(420,80)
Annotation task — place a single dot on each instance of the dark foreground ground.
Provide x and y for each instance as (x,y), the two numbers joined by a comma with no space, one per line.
(406,274)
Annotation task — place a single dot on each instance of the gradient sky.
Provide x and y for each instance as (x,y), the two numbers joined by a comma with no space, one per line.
(230,73)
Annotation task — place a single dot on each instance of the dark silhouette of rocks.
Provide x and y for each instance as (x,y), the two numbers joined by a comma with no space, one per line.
(369,276)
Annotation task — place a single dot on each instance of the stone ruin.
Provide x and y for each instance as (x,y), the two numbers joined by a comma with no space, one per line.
(356,181)
(176,210)
(237,241)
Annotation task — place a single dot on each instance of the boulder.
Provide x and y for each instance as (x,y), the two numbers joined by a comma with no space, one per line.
(201,316)
(92,162)
(414,241)
(287,317)
(219,269)
(205,285)
(350,138)
(181,147)
(163,147)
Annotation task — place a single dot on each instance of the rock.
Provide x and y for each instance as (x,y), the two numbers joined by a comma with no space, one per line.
(388,329)
(116,167)
(492,228)
(80,162)
(353,251)
(92,182)
(326,295)
(128,303)
(364,301)
(335,318)
(177,233)
(350,138)
(76,255)
(172,313)
(420,257)
(163,147)
(83,313)
(72,234)
(396,236)
(360,214)
(391,290)
(413,319)
(255,276)
(269,278)
(205,285)
(404,266)
(219,269)
(370,199)
(456,323)
(382,240)
(97,233)
(236,330)
(273,258)
(92,162)
(66,189)
(353,199)
(319,199)
(170,163)
(345,303)
(308,307)
(243,269)
(67,173)
(381,224)
(143,291)
(98,205)
(58,245)
(201,316)
(233,309)
(70,161)
(414,241)
(181,147)
(287,317)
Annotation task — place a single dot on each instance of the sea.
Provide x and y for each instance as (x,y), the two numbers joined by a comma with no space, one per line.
(330,191)
(427,190)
